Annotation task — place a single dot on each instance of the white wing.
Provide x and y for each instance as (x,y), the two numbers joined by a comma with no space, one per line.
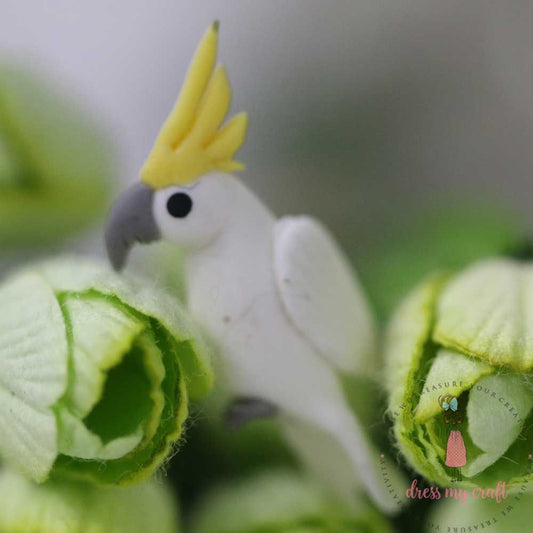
(322,296)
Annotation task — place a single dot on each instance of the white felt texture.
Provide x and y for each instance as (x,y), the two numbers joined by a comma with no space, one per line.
(321,294)
(33,374)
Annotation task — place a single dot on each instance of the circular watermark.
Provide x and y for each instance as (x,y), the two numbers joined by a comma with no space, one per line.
(450,397)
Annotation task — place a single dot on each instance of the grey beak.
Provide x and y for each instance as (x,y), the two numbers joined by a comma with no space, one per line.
(131,220)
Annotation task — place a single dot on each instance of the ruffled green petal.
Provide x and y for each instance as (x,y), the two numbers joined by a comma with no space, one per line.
(487,312)
(102,333)
(450,373)
(76,440)
(155,447)
(407,337)
(77,275)
(407,350)
(494,430)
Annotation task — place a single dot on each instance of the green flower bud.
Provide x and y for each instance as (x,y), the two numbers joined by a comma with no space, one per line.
(70,507)
(96,372)
(54,163)
(281,501)
(459,358)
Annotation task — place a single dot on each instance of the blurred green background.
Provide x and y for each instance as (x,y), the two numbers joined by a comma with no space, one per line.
(379,117)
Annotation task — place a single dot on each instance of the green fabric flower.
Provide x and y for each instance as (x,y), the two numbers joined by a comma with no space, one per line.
(96,372)
(469,336)
(54,164)
(69,507)
(281,501)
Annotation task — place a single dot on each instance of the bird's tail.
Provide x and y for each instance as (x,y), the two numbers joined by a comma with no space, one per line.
(348,463)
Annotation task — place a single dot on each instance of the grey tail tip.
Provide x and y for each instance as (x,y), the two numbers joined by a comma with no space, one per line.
(118,266)
(117,261)
(216,25)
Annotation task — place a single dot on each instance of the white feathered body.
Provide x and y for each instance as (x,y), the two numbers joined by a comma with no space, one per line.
(241,291)
(233,294)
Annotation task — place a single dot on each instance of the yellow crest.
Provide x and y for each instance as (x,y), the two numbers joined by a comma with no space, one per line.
(192,141)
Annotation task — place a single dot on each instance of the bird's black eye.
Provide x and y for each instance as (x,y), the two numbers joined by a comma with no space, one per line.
(179,205)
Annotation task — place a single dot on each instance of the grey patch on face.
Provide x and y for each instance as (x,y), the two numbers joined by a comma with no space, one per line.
(131,220)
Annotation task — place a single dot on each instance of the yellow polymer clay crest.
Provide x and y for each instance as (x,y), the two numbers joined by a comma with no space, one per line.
(192,141)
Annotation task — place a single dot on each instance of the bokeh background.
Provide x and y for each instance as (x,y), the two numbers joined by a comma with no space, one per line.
(405,125)
(365,113)
(360,111)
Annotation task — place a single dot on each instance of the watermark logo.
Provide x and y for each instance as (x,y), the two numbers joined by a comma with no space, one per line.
(455,448)
(456,458)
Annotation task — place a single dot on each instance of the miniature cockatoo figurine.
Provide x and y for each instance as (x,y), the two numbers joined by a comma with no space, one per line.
(276,296)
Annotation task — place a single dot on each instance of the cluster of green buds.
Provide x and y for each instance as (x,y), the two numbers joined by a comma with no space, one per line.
(466,338)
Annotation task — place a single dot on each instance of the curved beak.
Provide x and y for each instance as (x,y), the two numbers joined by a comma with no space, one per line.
(131,220)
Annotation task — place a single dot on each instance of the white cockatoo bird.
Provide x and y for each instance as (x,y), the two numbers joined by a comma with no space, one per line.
(276,296)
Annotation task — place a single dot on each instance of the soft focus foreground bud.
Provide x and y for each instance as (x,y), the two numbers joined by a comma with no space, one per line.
(96,372)
(281,501)
(70,507)
(459,358)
